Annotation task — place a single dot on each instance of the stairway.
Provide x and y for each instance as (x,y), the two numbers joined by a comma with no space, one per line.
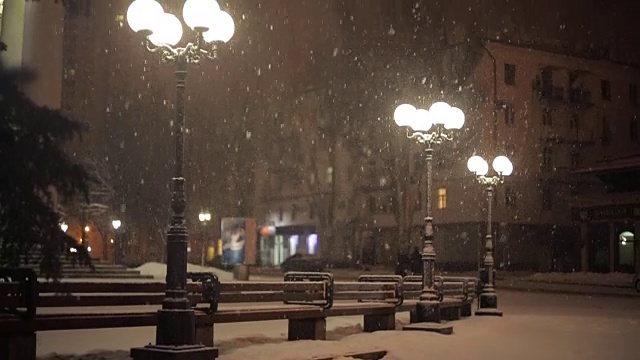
(101,270)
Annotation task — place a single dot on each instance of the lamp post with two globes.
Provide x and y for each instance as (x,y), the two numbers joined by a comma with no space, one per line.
(175,331)
(432,127)
(488,300)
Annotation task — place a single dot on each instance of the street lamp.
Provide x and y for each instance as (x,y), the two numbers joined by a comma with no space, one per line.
(488,301)
(64,227)
(204,218)
(175,332)
(116,225)
(432,127)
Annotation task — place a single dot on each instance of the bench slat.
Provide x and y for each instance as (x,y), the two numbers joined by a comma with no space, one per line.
(365,295)
(364,286)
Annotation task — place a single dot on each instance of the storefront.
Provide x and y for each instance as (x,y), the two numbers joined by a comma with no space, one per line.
(278,243)
(608,235)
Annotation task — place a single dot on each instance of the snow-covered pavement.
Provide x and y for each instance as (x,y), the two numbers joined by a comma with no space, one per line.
(535,325)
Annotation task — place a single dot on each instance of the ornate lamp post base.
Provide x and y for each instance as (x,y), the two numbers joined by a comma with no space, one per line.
(428,311)
(488,304)
(182,352)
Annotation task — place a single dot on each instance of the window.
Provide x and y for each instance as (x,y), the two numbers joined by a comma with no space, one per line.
(329,175)
(605,89)
(575,159)
(280,214)
(546,117)
(606,132)
(294,210)
(509,114)
(312,211)
(371,203)
(546,197)
(510,150)
(1,12)
(547,159)
(633,129)
(442,198)
(509,74)
(633,94)
(574,121)
(509,196)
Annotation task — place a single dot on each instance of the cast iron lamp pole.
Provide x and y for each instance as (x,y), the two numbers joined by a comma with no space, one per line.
(431,127)
(118,255)
(175,331)
(205,218)
(488,300)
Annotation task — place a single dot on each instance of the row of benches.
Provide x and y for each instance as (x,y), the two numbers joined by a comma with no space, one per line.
(304,299)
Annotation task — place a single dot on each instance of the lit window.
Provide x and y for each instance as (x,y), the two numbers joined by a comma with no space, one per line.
(1,12)
(442,198)
(312,243)
(329,178)
(293,244)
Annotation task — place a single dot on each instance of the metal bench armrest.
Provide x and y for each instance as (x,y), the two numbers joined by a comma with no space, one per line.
(210,289)
(28,280)
(397,279)
(327,278)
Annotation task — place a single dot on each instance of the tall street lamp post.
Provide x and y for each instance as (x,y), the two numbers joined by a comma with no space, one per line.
(432,127)
(204,218)
(116,225)
(175,331)
(488,301)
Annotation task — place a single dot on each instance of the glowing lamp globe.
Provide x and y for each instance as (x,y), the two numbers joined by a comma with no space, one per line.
(116,224)
(142,14)
(440,113)
(167,30)
(502,165)
(403,115)
(478,165)
(221,28)
(455,119)
(422,121)
(199,13)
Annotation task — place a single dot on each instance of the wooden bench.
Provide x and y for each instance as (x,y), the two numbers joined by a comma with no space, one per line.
(455,295)
(304,299)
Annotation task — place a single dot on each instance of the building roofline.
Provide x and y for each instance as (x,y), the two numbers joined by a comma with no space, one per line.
(587,55)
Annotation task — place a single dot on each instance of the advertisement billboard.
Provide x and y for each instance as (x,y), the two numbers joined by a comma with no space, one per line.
(238,241)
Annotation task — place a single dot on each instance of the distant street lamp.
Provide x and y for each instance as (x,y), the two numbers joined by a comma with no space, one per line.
(175,332)
(488,301)
(64,227)
(204,218)
(116,225)
(431,127)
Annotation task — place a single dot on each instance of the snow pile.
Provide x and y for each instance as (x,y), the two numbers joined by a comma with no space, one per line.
(610,279)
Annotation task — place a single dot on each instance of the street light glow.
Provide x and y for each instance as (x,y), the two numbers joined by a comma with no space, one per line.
(142,15)
(502,165)
(200,13)
(167,30)
(221,29)
(64,227)
(116,224)
(204,217)
(87,228)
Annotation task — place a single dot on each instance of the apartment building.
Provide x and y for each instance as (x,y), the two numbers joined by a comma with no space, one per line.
(33,32)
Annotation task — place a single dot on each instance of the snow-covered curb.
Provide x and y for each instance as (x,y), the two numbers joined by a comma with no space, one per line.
(579,278)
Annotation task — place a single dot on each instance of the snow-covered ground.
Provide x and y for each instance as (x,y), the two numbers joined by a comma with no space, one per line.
(159,271)
(535,326)
(619,279)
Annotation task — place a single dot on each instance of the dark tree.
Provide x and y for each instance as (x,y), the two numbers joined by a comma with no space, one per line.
(34,173)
